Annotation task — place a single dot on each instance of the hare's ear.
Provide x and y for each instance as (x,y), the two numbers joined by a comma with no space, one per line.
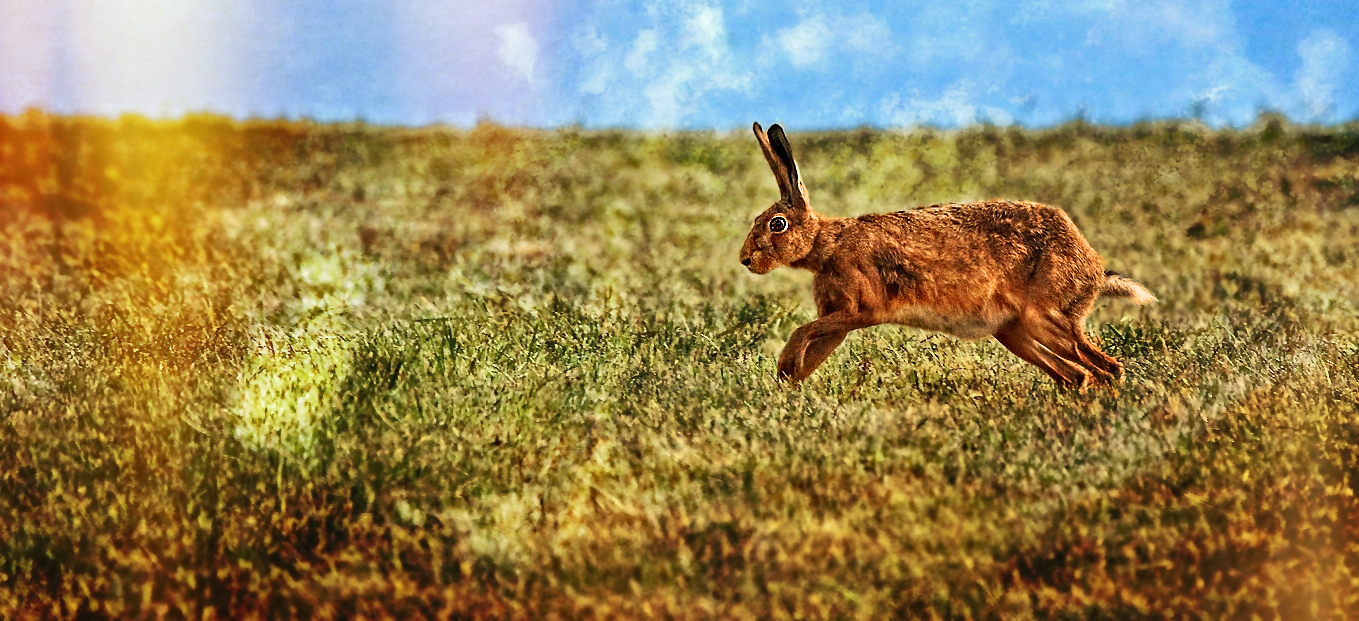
(784,153)
(781,172)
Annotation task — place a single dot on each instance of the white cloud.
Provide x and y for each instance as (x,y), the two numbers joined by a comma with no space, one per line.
(807,42)
(816,37)
(996,116)
(462,62)
(591,45)
(670,99)
(1144,25)
(673,65)
(590,42)
(865,34)
(1230,88)
(956,34)
(518,49)
(705,28)
(1325,60)
(675,62)
(1205,52)
(700,64)
(956,107)
(644,45)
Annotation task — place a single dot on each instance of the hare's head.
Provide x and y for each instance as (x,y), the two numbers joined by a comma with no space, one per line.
(786,231)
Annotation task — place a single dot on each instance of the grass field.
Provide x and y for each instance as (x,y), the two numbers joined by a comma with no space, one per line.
(268,369)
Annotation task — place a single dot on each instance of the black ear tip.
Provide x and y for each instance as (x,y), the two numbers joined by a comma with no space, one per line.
(757,127)
(780,141)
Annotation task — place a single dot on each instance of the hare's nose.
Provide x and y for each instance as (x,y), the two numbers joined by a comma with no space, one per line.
(745,261)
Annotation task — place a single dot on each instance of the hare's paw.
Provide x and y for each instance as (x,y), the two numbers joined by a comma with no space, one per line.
(790,360)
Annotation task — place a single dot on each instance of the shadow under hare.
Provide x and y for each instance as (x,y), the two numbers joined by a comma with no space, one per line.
(1015,270)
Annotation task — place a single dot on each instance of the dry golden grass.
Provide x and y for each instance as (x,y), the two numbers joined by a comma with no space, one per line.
(264,369)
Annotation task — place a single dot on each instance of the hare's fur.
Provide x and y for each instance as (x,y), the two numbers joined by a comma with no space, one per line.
(1019,271)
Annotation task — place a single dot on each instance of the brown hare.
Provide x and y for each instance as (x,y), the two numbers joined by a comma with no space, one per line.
(1019,271)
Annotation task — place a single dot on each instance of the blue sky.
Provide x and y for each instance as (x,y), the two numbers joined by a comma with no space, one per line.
(686,63)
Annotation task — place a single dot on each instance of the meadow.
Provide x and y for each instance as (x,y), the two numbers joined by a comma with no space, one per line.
(267,369)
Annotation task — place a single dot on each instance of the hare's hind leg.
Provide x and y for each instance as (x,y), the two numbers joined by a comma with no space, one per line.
(1017,338)
(1064,336)
(1062,327)
(1104,361)
(1068,326)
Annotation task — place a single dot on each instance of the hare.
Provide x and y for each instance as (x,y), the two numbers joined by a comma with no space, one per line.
(1019,271)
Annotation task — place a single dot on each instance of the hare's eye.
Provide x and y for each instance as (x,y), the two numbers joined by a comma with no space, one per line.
(778,224)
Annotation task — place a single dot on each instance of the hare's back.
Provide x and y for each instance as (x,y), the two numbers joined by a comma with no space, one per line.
(988,219)
(976,247)
(971,231)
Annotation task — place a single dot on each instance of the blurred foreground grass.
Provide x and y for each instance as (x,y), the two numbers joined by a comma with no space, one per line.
(271,369)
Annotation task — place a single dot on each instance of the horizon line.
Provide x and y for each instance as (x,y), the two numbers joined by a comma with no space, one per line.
(1262,117)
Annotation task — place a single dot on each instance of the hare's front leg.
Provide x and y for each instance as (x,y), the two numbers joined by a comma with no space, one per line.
(816,352)
(812,343)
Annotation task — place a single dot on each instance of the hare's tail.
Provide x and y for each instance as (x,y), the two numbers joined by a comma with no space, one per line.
(1119,286)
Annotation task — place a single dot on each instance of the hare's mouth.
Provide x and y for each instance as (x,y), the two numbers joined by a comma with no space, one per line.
(760,268)
(757,262)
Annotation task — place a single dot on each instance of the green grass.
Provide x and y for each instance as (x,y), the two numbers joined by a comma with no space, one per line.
(265,369)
